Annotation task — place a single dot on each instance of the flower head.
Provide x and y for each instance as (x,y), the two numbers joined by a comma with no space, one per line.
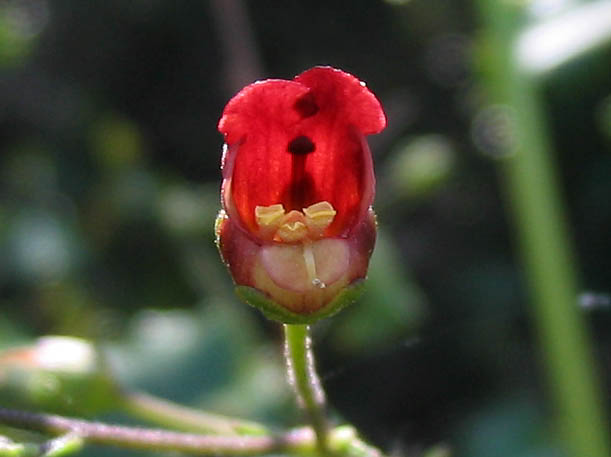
(298,185)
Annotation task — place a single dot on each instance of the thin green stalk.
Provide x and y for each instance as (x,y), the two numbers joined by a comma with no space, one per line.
(56,447)
(171,415)
(298,441)
(303,377)
(74,433)
(62,445)
(529,174)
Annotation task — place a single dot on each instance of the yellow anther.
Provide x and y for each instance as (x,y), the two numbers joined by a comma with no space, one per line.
(267,216)
(319,216)
(275,224)
(292,232)
(293,227)
(269,219)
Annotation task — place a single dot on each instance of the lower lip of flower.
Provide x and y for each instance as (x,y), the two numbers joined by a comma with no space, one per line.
(303,276)
(297,266)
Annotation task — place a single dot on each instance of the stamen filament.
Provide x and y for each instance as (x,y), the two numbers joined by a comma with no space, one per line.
(310,263)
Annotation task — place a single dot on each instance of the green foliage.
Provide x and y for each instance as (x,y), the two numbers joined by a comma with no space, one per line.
(57,374)
(109,175)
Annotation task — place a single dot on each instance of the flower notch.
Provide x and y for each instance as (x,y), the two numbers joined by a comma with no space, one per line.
(297,225)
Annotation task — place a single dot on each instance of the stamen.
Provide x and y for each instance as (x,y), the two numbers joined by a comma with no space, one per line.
(268,215)
(292,228)
(275,224)
(318,217)
(310,264)
(292,232)
(269,218)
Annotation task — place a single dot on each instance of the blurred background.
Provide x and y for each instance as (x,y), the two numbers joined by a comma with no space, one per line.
(109,179)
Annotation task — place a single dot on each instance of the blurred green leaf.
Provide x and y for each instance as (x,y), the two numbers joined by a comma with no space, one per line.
(391,307)
(57,374)
(216,359)
(506,428)
(604,117)
(117,142)
(41,246)
(420,166)
(15,40)
(188,210)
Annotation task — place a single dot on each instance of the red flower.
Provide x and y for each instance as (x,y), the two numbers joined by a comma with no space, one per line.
(298,185)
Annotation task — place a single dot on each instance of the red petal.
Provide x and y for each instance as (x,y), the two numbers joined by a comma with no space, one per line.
(300,142)
(258,107)
(362,108)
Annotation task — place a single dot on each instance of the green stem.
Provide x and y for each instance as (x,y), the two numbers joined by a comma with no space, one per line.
(298,441)
(303,377)
(74,433)
(62,445)
(171,415)
(529,174)
(56,447)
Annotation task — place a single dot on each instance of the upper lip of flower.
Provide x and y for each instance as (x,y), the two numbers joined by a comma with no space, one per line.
(300,144)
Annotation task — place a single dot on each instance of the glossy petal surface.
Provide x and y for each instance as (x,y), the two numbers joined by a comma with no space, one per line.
(297,228)
(300,142)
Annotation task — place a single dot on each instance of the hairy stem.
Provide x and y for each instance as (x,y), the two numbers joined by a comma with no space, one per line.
(296,441)
(303,378)
(168,414)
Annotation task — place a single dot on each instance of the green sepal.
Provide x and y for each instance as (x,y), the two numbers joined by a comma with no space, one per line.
(276,312)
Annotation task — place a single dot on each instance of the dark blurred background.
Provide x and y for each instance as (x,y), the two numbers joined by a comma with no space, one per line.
(109,177)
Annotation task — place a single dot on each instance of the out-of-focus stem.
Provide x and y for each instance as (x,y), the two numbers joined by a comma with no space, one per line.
(303,377)
(74,433)
(168,414)
(530,183)
(294,442)
(241,62)
(55,447)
